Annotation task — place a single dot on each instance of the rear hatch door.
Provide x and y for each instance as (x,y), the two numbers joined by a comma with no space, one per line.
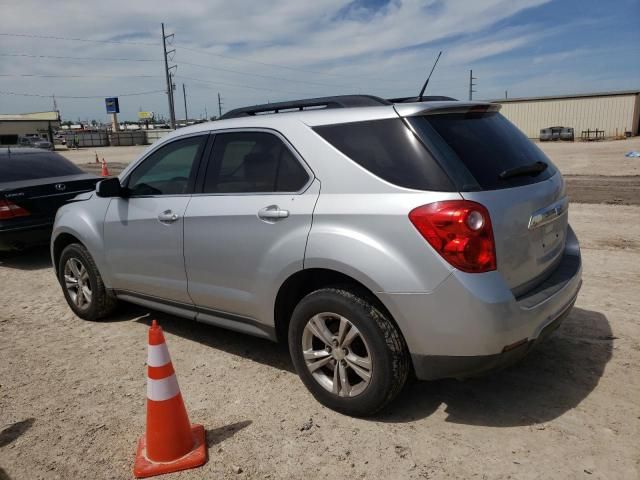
(493,163)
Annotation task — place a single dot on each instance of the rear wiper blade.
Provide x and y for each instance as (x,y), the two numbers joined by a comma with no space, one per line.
(531,169)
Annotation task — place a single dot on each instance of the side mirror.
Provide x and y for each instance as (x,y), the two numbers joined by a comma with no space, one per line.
(109,187)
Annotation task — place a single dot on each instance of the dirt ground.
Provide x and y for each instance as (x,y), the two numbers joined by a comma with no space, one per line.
(618,190)
(72,393)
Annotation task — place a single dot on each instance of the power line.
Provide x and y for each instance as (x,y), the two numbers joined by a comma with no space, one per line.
(78,96)
(195,50)
(230,57)
(295,69)
(243,86)
(44,75)
(64,57)
(52,37)
(265,76)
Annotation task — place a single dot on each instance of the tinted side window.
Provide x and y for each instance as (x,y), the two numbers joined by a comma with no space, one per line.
(167,171)
(388,149)
(29,165)
(251,162)
(486,144)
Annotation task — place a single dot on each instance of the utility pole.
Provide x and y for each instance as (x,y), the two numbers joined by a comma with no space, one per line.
(471,84)
(206,115)
(167,71)
(506,96)
(186,113)
(219,106)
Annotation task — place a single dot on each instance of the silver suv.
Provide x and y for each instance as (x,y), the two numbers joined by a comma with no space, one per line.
(377,238)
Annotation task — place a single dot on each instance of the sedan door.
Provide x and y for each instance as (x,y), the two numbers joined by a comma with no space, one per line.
(246,229)
(143,232)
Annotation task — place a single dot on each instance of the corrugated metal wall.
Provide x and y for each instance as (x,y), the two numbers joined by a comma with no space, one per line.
(606,113)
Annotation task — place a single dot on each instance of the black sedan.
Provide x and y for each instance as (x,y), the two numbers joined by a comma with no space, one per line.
(33,184)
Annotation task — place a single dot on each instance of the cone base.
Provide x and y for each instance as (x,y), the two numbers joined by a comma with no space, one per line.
(143,467)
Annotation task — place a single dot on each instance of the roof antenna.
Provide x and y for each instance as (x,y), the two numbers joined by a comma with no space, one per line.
(424,87)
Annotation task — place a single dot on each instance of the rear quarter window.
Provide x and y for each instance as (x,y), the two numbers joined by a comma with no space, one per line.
(388,149)
(18,166)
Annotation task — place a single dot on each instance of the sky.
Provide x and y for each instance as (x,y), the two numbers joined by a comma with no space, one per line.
(257,52)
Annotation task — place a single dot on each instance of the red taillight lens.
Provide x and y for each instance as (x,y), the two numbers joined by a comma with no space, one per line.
(11,210)
(460,231)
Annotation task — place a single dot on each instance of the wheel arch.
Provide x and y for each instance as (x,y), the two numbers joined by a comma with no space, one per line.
(61,241)
(303,282)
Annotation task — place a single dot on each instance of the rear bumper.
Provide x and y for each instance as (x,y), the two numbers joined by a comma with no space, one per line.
(431,367)
(26,236)
(473,323)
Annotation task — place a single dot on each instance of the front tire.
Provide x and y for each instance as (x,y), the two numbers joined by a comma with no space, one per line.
(347,352)
(82,284)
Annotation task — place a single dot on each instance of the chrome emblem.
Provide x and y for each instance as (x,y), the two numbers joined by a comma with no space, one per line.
(60,187)
(548,214)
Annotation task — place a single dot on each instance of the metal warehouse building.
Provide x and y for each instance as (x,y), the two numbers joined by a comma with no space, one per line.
(14,126)
(612,112)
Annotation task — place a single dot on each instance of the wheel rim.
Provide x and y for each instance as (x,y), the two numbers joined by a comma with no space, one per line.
(336,354)
(76,280)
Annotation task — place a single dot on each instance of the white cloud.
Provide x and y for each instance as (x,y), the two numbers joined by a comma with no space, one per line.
(385,51)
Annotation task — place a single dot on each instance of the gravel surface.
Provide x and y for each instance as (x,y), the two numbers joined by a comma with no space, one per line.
(72,392)
(616,190)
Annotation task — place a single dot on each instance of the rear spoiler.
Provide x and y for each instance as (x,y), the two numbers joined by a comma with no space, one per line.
(439,108)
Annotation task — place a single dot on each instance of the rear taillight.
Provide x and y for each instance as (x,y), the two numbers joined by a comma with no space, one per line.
(11,210)
(460,231)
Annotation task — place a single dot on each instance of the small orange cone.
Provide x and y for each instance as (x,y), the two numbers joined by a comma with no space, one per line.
(105,170)
(171,443)
(97,161)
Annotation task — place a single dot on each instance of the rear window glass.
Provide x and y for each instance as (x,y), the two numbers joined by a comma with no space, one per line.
(18,165)
(388,149)
(479,146)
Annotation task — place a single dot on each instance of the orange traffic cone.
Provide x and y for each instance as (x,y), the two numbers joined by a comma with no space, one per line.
(97,161)
(171,443)
(105,170)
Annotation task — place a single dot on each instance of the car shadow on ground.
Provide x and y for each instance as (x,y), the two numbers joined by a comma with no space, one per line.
(256,349)
(36,258)
(554,378)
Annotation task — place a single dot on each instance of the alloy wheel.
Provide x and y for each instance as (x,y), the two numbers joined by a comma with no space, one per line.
(336,354)
(76,279)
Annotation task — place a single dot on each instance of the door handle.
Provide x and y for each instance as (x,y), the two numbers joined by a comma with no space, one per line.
(272,213)
(168,216)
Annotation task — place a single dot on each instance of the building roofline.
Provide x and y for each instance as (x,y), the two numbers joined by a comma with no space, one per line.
(31,116)
(567,96)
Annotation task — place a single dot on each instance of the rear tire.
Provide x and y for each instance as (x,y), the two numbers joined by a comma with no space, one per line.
(82,284)
(358,363)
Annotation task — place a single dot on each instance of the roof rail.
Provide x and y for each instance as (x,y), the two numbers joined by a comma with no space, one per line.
(425,98)
(340,101)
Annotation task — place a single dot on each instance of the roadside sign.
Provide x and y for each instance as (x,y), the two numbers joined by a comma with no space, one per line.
(145,115)
(112,105)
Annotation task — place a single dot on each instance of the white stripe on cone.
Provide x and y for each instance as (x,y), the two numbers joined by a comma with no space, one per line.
(164,389)
(158,355)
